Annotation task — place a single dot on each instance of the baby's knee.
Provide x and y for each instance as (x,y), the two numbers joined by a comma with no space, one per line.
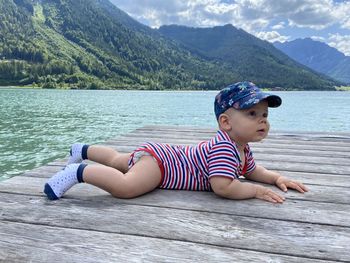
(120,162)
(125,192)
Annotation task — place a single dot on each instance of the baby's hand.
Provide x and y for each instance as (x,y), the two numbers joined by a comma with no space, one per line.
(268,195)
(284,183)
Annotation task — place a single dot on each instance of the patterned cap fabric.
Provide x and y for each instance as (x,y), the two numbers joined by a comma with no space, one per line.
(242,95)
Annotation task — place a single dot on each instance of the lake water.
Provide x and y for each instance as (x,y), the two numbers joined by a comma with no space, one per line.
(38,126)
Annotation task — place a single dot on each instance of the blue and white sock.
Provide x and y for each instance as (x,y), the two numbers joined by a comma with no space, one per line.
(78,153)
(62,181)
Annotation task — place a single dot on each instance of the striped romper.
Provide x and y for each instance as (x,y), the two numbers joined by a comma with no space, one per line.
(190,167)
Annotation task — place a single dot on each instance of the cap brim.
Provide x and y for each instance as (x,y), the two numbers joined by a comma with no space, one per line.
(273,101)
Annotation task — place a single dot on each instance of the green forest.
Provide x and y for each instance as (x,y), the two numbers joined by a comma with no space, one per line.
(91,44)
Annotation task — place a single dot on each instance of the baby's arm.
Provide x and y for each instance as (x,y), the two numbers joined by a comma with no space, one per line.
(234,189)
(261,174)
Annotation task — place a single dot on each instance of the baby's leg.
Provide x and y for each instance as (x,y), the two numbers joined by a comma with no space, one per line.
(143,177)
(100,154)
(109,157)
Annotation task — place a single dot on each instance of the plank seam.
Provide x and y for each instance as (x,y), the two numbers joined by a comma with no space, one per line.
(120,201)
(180,240)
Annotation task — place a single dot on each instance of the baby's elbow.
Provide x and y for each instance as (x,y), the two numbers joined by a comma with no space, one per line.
(223,188)
(222,193)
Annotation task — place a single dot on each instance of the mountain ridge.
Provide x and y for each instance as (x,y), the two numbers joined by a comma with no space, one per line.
(264,63)
(319,56)
(93,44)
(79,44)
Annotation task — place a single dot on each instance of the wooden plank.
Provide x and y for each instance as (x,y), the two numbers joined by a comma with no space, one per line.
(307,178)
(305,208)
(192,225)
(128,146)
(137,141)
(306,167)
(281,139)
(256,234)
(304,152)
(295,143)
(318,178)
(43,244)
(339,195)
(199,130)
(288,166)
(265,154)
(302,159)
(344,145)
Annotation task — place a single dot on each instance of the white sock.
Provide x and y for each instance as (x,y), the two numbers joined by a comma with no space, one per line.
(76,153)
(61,182)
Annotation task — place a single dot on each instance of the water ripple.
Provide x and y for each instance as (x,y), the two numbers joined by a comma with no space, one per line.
(38,126)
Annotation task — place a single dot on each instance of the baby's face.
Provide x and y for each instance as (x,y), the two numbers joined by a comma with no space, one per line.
(249,125)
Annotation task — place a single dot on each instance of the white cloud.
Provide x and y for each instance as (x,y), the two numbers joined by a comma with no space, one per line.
(262,18)
(280,25)
(342,11)
(272,36)
(318,38)
(315,14)
(246,14)
(198,13)
(340,42)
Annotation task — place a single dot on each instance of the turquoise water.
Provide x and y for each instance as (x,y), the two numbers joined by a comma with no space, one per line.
(38,126)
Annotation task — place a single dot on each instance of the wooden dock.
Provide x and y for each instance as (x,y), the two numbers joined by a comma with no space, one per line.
(88,225)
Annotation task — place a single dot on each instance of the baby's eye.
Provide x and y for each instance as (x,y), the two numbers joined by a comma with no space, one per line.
(252,113)
(265,115)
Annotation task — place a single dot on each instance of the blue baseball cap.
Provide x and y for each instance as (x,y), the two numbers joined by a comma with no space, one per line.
(242,95)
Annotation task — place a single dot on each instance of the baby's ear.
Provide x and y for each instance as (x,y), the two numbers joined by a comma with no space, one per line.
(224,122)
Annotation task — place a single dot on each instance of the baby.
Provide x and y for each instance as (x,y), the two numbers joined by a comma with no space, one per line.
(241,111)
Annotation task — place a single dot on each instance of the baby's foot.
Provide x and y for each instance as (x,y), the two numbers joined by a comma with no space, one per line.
(62,181)
(77,152)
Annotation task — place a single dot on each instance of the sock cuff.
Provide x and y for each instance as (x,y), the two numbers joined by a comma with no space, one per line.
(84,151)
(80,172)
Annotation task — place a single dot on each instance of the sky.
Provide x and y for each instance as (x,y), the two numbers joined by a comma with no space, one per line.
(271,20)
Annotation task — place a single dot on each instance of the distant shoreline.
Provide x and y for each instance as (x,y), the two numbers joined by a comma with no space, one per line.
(342,88)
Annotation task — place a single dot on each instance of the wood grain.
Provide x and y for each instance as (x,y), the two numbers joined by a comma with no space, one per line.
(88,225)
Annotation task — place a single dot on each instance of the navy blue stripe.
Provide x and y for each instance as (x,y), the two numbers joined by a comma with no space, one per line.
(171,163)
(80,172)
(186,167)
(84,152)
(199,159)
(222,165)
(166,163)
(172,160)
(223,150)
(228,159)
(183,173)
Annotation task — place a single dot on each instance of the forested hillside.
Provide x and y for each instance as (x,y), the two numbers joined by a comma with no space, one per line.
(249,57)
(93,44)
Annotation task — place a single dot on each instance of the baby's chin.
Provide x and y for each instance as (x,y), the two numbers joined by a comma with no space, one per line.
(259,137)
(257,140)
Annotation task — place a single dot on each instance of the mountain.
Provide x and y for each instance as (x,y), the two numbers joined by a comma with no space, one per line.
(93,44)
(318,56)
(249,57)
